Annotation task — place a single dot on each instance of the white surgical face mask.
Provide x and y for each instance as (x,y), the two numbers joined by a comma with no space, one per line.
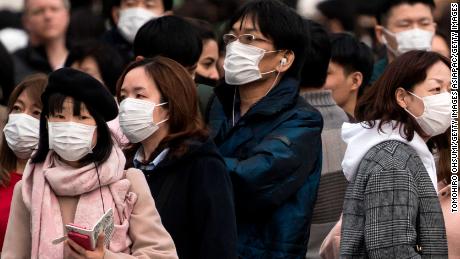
(22,134)
(435,119)
(241,63)
(70,140)
(131,20)
(414,39)
(136,119)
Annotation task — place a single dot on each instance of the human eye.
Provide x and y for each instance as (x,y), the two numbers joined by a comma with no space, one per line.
(247,38)
(228,38)
(16,109)
(37,112)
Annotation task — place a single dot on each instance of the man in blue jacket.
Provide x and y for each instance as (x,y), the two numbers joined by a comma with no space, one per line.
(269,137)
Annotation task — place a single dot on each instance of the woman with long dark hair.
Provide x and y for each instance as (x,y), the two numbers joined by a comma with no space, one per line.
(20,139)
(391,208)
(76,176)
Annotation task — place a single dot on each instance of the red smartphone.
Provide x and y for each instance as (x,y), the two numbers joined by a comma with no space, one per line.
(82,240)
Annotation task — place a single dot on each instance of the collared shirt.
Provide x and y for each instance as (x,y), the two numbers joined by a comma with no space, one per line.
(150,166)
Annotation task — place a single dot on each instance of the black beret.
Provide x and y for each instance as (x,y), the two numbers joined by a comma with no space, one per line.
(81,87)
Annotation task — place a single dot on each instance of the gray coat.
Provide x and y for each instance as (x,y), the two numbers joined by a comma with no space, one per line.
(391,209)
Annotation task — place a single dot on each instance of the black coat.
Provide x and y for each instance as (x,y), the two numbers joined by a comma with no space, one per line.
(198,210)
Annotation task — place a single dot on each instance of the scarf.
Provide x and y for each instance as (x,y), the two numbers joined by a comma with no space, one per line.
(42,182)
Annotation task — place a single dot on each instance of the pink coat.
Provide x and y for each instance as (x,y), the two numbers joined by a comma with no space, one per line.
(452,221)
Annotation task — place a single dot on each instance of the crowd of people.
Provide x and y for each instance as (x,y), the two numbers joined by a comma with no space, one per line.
(238,129)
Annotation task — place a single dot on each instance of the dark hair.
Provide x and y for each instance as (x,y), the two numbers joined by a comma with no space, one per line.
(6,74)
(84,24)
(314,71)
(341,10)
(169,36)
(387,5)
(109,61)
(33,86)
(353,56)
(100,152)
(178,90)
(279,23)
(204,28)
(442,143)
(379,101)
(107,6)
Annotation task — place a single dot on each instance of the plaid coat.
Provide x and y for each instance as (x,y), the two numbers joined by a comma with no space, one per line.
(391,209)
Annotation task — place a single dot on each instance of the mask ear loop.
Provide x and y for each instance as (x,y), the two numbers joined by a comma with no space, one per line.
(419,99)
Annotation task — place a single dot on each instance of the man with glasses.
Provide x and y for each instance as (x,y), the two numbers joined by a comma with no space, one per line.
(403,25)
(270,138)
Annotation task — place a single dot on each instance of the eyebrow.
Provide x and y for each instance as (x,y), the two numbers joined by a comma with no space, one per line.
(136,88)
(252,29)
(21,102)
(437,80)
(209,59)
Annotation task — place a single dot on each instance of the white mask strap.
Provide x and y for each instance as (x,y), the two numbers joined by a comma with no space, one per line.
(162,121)
(161,104)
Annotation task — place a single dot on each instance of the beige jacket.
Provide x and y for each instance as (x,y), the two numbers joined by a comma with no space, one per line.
(150,239)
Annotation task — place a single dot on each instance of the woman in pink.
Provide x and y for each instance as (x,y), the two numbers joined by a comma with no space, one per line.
(75,176)
(444,173)
(20,138)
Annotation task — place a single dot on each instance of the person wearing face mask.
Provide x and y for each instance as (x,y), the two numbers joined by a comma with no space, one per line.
(270,137)
(206,70)
(20,139)
(127,17)
(403,25)
(75,176)
(391,207)
(187,176)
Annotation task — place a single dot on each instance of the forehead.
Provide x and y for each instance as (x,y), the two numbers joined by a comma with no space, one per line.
(440,71)
(136,76)
(41,3)
(246,24)
(407,11)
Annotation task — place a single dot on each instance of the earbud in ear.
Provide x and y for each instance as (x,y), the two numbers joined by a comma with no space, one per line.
(283,61)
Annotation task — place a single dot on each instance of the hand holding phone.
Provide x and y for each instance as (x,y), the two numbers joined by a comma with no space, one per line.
(77,251)
(81,239)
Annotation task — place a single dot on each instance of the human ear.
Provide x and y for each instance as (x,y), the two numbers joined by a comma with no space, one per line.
(286,61)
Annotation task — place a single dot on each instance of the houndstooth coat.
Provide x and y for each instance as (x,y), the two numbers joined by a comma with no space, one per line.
(391,209)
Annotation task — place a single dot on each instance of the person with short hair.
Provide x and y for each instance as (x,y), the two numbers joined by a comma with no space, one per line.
(403,25)
(127,17)
(172,37)
(77,175)
(46,23)
(331,190)
(187,176)
(270,138)
(391,208)
(349,72)
(19,139)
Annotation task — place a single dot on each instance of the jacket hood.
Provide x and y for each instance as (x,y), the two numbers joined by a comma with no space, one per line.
(360,139)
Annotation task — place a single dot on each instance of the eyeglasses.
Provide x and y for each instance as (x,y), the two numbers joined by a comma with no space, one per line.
(243,38)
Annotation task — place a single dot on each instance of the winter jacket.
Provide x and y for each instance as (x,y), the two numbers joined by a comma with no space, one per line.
(273,154)
(391,209)
(197,208)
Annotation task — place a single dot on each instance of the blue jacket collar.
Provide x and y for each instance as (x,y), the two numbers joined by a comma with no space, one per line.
(282,96)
